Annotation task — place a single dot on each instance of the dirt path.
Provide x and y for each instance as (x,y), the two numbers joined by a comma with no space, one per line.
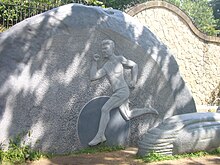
(124,157)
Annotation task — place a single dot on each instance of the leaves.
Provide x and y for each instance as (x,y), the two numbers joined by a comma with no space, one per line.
(201,13)
(13,11)
(18,152)
(100,148)
(155,157)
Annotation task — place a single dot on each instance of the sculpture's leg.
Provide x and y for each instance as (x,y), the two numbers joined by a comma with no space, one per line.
(100,136)
(129,114)
(112,103)
(141,111)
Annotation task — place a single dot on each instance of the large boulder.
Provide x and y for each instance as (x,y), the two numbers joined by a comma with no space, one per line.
(44,75)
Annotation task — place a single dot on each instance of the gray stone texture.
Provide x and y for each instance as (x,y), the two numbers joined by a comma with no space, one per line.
(44,75)
(184,133)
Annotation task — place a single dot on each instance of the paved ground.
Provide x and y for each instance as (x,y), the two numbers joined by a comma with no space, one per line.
(124,157)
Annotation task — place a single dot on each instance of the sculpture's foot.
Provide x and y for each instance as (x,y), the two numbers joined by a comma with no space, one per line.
(97,140)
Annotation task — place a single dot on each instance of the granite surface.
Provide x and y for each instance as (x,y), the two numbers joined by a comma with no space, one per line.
(44,75)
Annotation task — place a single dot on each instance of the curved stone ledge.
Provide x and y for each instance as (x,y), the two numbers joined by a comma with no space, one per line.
(162,4)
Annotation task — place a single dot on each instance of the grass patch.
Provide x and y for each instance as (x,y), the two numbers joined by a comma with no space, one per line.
(155,157)
(215,152)
(99,148)
(19,153)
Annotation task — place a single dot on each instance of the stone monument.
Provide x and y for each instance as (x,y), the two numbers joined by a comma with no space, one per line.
(45,79)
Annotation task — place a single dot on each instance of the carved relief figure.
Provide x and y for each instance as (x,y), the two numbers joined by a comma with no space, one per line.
(113,69)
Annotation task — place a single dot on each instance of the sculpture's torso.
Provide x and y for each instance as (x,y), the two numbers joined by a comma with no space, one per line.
(114,70)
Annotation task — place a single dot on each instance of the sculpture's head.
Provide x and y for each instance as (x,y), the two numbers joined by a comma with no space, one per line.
(108,47)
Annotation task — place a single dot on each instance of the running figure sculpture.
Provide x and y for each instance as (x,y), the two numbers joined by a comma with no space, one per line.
(113,69)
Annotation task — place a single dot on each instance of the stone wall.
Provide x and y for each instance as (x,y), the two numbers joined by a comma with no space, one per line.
(197,54)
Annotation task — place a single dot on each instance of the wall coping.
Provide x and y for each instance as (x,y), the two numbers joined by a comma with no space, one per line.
(162,4)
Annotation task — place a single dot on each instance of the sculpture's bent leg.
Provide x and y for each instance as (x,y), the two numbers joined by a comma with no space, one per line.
(129,114)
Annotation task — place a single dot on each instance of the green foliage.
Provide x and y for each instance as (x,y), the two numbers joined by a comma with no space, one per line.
(13,11)
(200,11)
(99,148)
(94,2)
(216,8)
(216,11)
(175,2)
(215,151)
(1,155)
(155,157)
(120,4)
(202,15)
(18,152)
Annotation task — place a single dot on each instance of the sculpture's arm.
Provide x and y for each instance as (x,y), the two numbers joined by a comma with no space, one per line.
(134,70)
(96,73)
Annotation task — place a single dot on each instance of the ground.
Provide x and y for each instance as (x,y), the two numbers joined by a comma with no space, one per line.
(123,157)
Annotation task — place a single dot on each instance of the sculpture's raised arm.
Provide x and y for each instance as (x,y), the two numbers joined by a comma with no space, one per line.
(96,73)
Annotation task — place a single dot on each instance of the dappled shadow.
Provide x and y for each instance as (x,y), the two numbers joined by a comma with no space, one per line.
(44,75)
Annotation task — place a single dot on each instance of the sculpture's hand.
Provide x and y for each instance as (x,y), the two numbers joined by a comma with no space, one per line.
(132,84)
(96,57)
